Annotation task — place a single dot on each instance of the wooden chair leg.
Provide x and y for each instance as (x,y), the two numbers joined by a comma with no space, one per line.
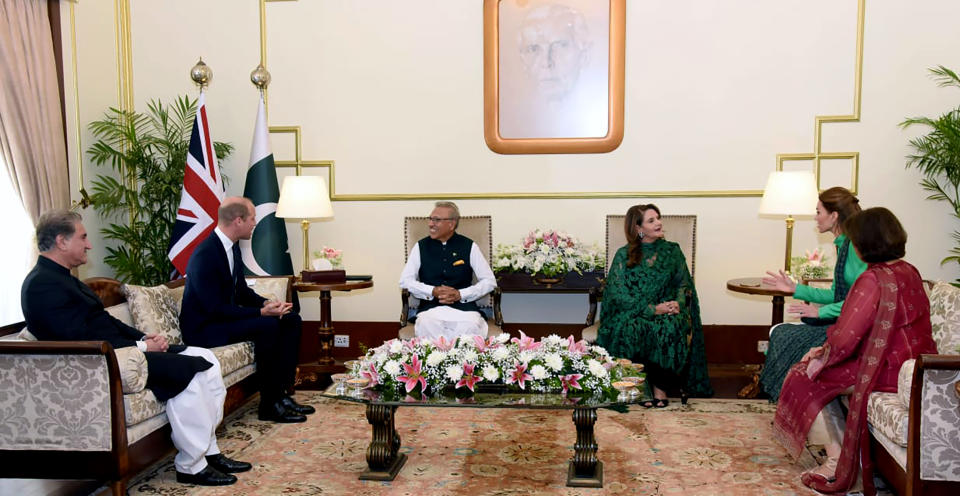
(118,487)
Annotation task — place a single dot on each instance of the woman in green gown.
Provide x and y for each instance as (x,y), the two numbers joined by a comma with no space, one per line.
(790,341)
(650,310)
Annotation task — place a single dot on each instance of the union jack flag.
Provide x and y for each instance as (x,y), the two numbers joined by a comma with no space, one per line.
(202,193)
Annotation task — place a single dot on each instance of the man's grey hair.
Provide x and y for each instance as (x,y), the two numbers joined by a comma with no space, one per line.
(453,208)
(55,223)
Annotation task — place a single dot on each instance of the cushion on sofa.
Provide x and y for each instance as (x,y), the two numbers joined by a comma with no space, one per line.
(233,356)
(905,382)
(133,368)
(271,288)
(887,414)
(154,310)
(945,317)
(26,335)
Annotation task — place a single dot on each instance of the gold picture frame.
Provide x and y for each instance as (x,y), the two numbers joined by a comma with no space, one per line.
(553,103)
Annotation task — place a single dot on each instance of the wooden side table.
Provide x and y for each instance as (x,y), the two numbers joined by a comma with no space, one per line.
(588,282)
(326,318)
(755,286)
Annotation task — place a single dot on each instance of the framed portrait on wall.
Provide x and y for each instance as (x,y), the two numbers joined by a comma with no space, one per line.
(553,75)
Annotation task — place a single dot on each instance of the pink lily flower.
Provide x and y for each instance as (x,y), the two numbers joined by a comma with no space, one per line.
(468,378)
(570,381)
(519,375)
(483,346)
(410,345)
(371,373)
(526,342)
(576,347)
(442,344)
(414,376)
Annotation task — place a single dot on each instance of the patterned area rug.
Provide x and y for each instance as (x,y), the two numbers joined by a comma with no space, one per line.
(709,447)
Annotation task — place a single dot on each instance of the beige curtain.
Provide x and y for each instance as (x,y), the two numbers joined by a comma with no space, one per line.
(31,130)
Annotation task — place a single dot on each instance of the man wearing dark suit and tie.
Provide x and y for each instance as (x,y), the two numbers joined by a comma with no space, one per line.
(58,307)
(219,308)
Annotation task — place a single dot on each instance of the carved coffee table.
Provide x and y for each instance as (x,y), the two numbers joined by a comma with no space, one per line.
(384,460)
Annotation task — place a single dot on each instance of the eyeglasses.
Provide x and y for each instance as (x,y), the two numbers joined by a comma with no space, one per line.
(436,220)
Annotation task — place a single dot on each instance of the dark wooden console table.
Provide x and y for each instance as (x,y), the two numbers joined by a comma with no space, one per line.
(588,282)
(325,363)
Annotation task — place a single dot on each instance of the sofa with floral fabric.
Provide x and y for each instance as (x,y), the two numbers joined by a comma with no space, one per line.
(80,410)
(916,431)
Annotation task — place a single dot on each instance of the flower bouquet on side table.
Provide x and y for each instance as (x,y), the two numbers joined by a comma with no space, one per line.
(549,256)
(812,266)
(552,365)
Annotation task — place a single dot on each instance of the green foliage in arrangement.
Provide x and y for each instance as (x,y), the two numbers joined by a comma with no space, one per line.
(146,153)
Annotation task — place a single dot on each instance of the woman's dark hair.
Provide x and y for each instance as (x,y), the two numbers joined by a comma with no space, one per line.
(841,201)
(877,235)
(634,217)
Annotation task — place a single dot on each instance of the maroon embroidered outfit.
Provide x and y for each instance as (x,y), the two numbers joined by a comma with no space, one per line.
(884,322)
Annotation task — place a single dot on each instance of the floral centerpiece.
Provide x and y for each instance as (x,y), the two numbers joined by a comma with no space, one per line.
(332,256)
(551,253)
(554,364)
(812,266)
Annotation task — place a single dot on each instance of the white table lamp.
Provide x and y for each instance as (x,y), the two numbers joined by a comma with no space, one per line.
(789,193)
(305,198)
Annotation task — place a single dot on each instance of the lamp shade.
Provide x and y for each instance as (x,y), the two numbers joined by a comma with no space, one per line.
(790,193)
(304,197)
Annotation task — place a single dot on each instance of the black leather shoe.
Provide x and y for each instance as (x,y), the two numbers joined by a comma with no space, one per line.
(209,476)
(227,465)
(276,412)
(296,407)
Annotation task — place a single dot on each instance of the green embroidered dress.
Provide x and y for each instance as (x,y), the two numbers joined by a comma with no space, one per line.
(629,326)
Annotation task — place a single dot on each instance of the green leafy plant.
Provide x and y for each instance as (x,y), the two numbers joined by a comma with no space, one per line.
(147,153)
(937,155)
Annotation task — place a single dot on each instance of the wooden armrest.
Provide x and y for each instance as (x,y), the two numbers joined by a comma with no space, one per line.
(56,348)
(497,294)
(405,308)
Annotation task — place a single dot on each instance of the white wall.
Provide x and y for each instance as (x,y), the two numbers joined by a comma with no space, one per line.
(392,91)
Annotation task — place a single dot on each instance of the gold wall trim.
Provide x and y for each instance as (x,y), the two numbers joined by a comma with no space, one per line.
(817,156)
(124,55)
(76,96)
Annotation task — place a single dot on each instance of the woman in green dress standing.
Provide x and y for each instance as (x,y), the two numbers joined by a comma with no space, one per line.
(790,341)
(650,310)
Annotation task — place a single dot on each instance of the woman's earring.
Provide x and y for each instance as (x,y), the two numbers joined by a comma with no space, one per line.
(640,235)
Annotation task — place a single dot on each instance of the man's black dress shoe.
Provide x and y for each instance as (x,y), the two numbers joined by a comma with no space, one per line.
(296,407)
(209,476)
(227,465)
(276,412)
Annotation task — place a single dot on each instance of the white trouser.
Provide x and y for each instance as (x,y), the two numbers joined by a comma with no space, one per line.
(829,425)
(195,413)
(449,322)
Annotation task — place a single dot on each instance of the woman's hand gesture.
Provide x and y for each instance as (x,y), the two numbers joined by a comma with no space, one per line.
(805,310)
(780,281)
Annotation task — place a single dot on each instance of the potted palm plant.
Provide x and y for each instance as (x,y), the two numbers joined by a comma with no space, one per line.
(937,155)
(147,153)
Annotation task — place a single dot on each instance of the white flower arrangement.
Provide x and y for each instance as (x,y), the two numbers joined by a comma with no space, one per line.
(812,266)
(550,253)
(429,366)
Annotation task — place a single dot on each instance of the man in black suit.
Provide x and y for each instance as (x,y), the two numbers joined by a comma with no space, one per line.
(219,308)
(58,307)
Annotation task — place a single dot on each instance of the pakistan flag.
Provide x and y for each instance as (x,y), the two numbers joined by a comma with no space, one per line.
(266,253)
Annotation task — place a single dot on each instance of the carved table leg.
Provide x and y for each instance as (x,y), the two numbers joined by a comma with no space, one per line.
(383,459)
(585,470)
(325,332)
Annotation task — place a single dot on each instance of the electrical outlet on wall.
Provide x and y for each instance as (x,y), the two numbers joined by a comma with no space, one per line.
(762,346)
(341,341)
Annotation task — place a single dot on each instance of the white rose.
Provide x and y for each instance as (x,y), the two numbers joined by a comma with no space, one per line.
(395,346)
(491,373)
(596,368)
(454,372)
(503,337)
(435,358)
(554,361)
(392,367)
(500,354)
(538,372)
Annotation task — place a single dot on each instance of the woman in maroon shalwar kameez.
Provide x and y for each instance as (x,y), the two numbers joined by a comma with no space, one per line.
(884,322)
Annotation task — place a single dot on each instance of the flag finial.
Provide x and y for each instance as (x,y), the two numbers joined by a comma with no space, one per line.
(201,73)
(260,77)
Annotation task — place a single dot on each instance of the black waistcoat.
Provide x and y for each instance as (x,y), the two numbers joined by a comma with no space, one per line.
(446,264)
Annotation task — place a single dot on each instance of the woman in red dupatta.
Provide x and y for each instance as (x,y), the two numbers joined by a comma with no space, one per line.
(884,322)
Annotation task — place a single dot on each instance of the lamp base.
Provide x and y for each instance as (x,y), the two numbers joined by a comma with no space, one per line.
(324,276)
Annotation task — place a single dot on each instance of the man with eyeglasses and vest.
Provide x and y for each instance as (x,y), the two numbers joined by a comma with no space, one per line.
(440,272)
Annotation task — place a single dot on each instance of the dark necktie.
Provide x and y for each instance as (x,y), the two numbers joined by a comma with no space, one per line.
(237,262)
